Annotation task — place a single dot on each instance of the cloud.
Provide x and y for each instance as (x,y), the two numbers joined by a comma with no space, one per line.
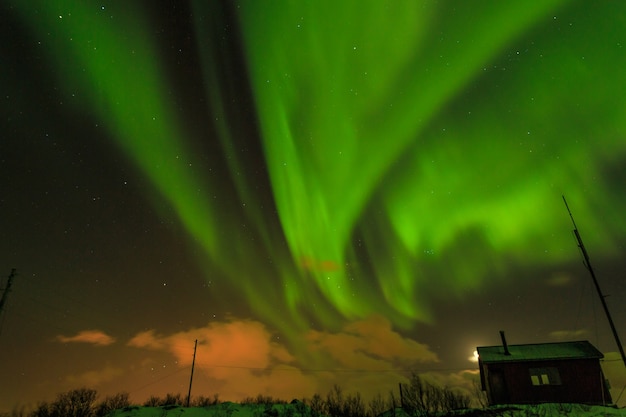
(371,343)
(148,340)
(237,358)
(367,356)
(237,343)
(95,337)
(568,334)
(466,382)
(240,358)
(94,378)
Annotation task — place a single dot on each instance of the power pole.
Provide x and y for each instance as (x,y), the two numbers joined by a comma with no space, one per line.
(193,364)
(6,290)
(595,282)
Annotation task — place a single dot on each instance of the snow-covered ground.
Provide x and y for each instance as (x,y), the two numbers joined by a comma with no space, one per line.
(299,410)
(225,409)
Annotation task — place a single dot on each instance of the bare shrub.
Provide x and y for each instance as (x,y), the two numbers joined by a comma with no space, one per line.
(334,401)
(75,403)
(317,405)
(394,402)
(353,406)
(300,408)
(111,403)
(336,404)
(261,399)
(153,401)
(416,397)
(421,398)
(172,399)
(480,396)
(43,409)
(379,405)
(454,400)
(202,401)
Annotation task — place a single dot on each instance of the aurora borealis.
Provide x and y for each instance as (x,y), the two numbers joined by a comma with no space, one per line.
(305,187)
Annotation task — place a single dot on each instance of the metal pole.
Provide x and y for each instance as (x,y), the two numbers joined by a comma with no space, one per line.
(6,290)
(595,282)
(193,363)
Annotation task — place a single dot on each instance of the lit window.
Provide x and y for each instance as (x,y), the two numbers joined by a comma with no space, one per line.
(545,376)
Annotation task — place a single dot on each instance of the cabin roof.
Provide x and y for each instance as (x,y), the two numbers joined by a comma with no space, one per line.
(539,351)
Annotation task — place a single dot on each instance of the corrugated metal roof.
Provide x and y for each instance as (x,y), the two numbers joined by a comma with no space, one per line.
(534,352)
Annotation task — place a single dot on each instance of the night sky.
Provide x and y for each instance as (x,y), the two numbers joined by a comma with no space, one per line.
(319,192)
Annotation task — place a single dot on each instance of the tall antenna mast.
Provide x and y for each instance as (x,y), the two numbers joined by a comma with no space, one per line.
(7,290)
(595,282)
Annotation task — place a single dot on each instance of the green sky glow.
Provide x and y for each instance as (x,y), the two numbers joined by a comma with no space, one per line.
(420,141)
(111,64)
(412,151)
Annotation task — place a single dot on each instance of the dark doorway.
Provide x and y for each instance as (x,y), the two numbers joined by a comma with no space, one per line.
(497,384)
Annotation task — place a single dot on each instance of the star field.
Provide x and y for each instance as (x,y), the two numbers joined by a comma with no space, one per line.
(318,192)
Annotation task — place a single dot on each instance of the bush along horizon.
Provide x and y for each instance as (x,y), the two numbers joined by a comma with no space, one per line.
(417,398)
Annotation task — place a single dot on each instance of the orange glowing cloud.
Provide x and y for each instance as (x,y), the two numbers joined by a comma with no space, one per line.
(367,356)
(244,343)
(241,358)
(237,358)
(95,337)
(372,344)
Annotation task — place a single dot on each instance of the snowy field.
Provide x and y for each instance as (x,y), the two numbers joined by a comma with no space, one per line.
(299,410)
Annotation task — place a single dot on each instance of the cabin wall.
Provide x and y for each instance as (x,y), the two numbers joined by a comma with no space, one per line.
(574,381)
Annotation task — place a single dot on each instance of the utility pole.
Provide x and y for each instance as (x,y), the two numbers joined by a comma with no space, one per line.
(193,364)
(595,282)
(6,290)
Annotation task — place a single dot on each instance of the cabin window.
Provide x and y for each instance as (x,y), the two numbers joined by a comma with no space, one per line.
(545,376)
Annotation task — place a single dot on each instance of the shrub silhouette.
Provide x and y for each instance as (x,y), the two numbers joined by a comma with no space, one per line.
(379,404)
(173,399)
(152,401)
(169,400)
(421,398)
(111,403)
(263,399)
(74,403)
(417,398)
(337,404)
(202,401)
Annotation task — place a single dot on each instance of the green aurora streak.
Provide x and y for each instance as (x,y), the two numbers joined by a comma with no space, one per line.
(352,102)
(415,149)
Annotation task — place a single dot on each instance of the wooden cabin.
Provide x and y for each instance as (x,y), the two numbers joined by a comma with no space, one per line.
(565,372)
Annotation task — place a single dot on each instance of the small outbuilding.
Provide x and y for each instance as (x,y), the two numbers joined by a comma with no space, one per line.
(565,372)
